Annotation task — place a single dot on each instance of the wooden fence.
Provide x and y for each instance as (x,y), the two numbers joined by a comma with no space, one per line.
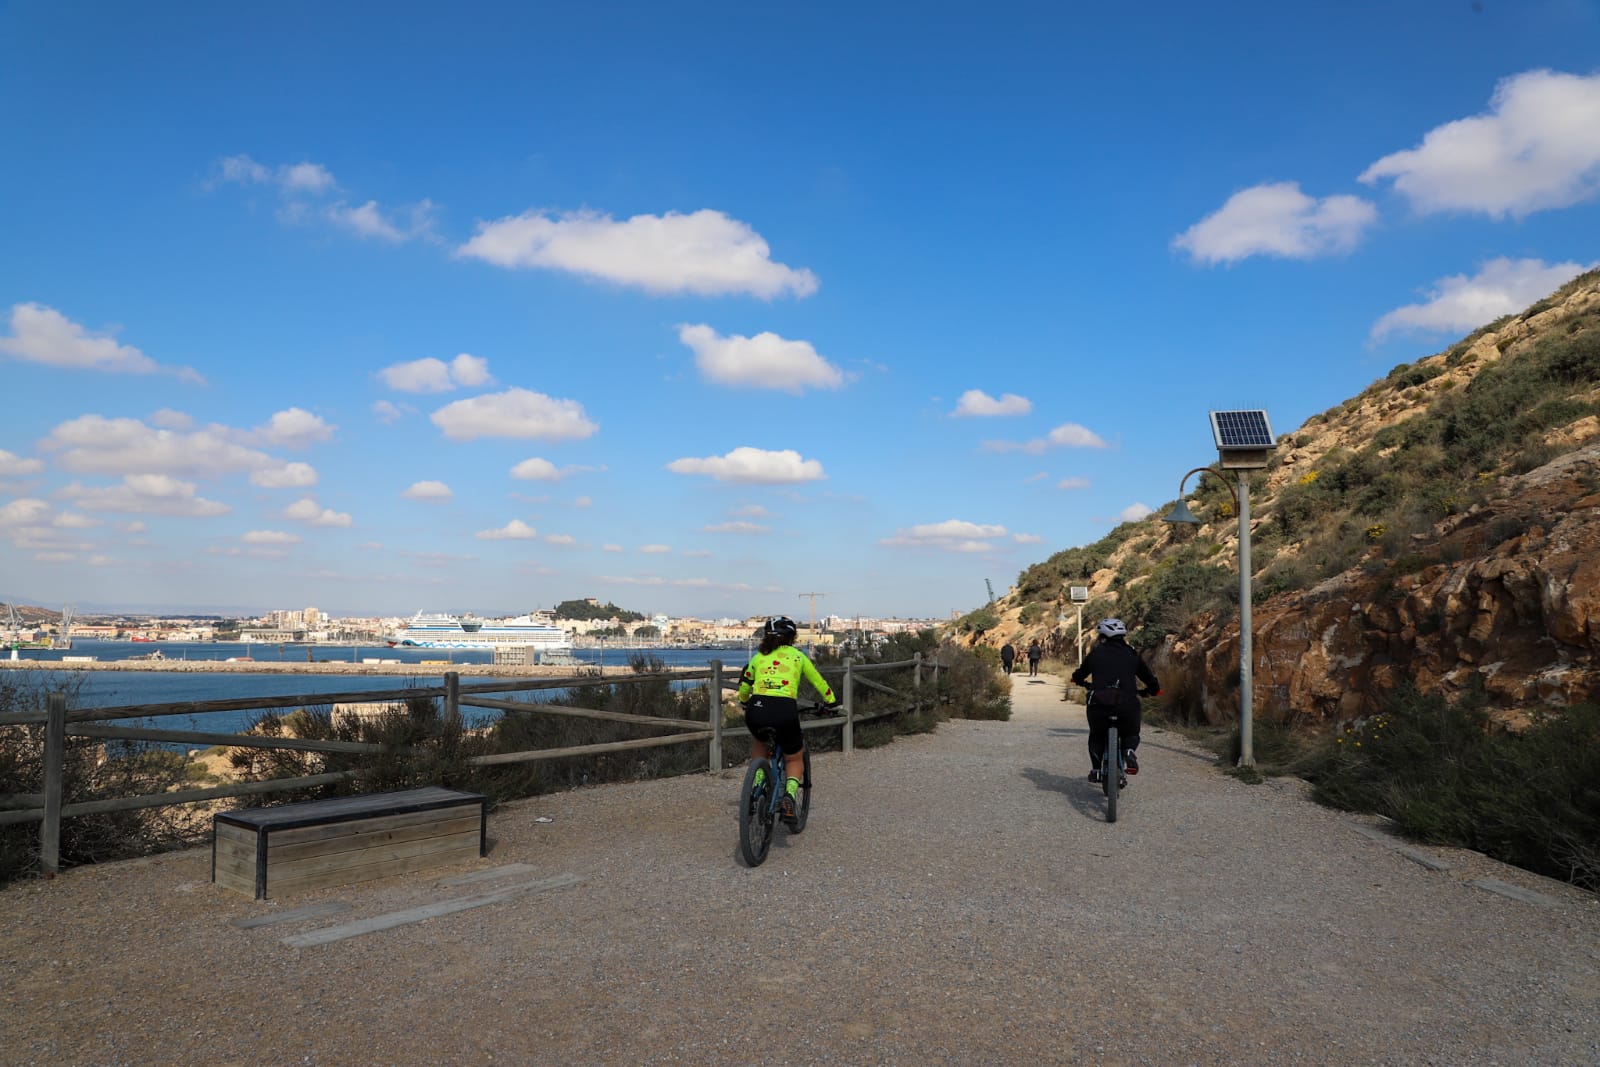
(60,722)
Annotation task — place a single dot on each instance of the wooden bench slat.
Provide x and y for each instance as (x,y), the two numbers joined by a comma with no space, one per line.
(303,834)
(286,852)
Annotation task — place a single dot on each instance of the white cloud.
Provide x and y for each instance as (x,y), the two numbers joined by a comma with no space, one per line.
(977,402)
(270,537)
(389,412)
(419,376)
(1072,435)
(753,466)
(293,428)
(1537,148)
(93,444)
(655,550)
(515,530)
(68,520)
(704,252)
(750,511)
(306,177)
(952,535)
(25,511)
(1277,219)
(698,553)
(290,177)
(1459,303)
(612,548)
(311,513)
(41,334)
(1067,435)
(146,494)
(1134,512)
(737,528)
(14,466)
(469,370)
(428,491)
(539,470)
(765,361)
(244,170)
(169,419)
(369,220)
(519,413)
(288,476)
(1073,483)
(560,539)
(1027,539)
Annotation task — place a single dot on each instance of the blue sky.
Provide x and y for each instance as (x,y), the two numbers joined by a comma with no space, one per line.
(700,307)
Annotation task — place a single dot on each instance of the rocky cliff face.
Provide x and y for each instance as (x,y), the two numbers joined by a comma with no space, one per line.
(1504,594)
(1512,603)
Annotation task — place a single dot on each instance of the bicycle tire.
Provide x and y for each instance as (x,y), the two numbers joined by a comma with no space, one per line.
(755,815)
(1111,773)
(803,809)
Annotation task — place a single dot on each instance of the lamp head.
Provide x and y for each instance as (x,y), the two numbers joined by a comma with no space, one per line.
(1181,513)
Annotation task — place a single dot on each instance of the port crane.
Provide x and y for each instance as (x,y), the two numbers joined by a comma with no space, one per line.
(990,584)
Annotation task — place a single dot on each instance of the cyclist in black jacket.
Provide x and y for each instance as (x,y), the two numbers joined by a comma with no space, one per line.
(1114,664)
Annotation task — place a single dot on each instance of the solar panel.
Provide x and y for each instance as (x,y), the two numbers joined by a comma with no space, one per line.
(1241,429)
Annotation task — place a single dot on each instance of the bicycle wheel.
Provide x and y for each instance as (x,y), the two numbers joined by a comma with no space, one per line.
(804,807)
(755,814)
(1111,773)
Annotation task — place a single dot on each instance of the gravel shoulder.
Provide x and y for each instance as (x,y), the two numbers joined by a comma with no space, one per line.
(958,898)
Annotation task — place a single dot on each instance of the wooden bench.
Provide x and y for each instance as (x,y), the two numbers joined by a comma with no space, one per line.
(314,844)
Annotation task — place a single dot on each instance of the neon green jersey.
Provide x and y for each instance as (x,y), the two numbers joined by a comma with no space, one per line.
(778,674)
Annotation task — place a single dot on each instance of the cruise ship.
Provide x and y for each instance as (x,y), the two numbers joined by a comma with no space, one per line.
(436,630)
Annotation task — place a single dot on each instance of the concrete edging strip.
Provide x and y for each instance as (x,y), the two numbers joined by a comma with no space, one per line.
(427,911)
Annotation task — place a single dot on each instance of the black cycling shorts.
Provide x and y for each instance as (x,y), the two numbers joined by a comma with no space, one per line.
(782,715)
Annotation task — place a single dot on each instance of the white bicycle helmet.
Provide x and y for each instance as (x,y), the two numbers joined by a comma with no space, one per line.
(1111,628)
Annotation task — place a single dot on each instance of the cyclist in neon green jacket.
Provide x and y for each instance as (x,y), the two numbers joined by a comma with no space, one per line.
(769,691)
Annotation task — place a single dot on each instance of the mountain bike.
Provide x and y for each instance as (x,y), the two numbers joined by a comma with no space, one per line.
(762,793)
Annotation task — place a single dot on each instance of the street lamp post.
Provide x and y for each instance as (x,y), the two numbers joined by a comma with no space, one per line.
(1241,505)
(1243,438)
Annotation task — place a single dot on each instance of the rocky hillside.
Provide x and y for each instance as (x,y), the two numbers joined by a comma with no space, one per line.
(1441,530)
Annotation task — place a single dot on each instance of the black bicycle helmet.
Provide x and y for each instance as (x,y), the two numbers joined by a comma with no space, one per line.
(782,627)
(1111,628)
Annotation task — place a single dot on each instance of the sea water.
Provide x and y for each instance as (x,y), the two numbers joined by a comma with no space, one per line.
(99,689)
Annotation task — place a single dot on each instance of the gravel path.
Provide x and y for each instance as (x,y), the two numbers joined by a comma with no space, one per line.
(985,914)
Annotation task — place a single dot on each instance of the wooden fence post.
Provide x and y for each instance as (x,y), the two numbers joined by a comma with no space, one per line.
(452,694)
(916,685)
(714,691)
(849,740)
(55,768)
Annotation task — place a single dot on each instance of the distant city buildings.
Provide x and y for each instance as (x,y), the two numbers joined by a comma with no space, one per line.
(313,626)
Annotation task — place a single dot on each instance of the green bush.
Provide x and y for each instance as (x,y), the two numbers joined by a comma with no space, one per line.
(980,621)
(1446,775)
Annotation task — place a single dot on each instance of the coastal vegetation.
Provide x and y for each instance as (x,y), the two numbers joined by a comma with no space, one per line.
(1447,773)
(89,775)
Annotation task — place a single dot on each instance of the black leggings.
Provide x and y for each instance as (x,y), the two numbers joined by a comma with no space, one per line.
(781,715)
(1127,730)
